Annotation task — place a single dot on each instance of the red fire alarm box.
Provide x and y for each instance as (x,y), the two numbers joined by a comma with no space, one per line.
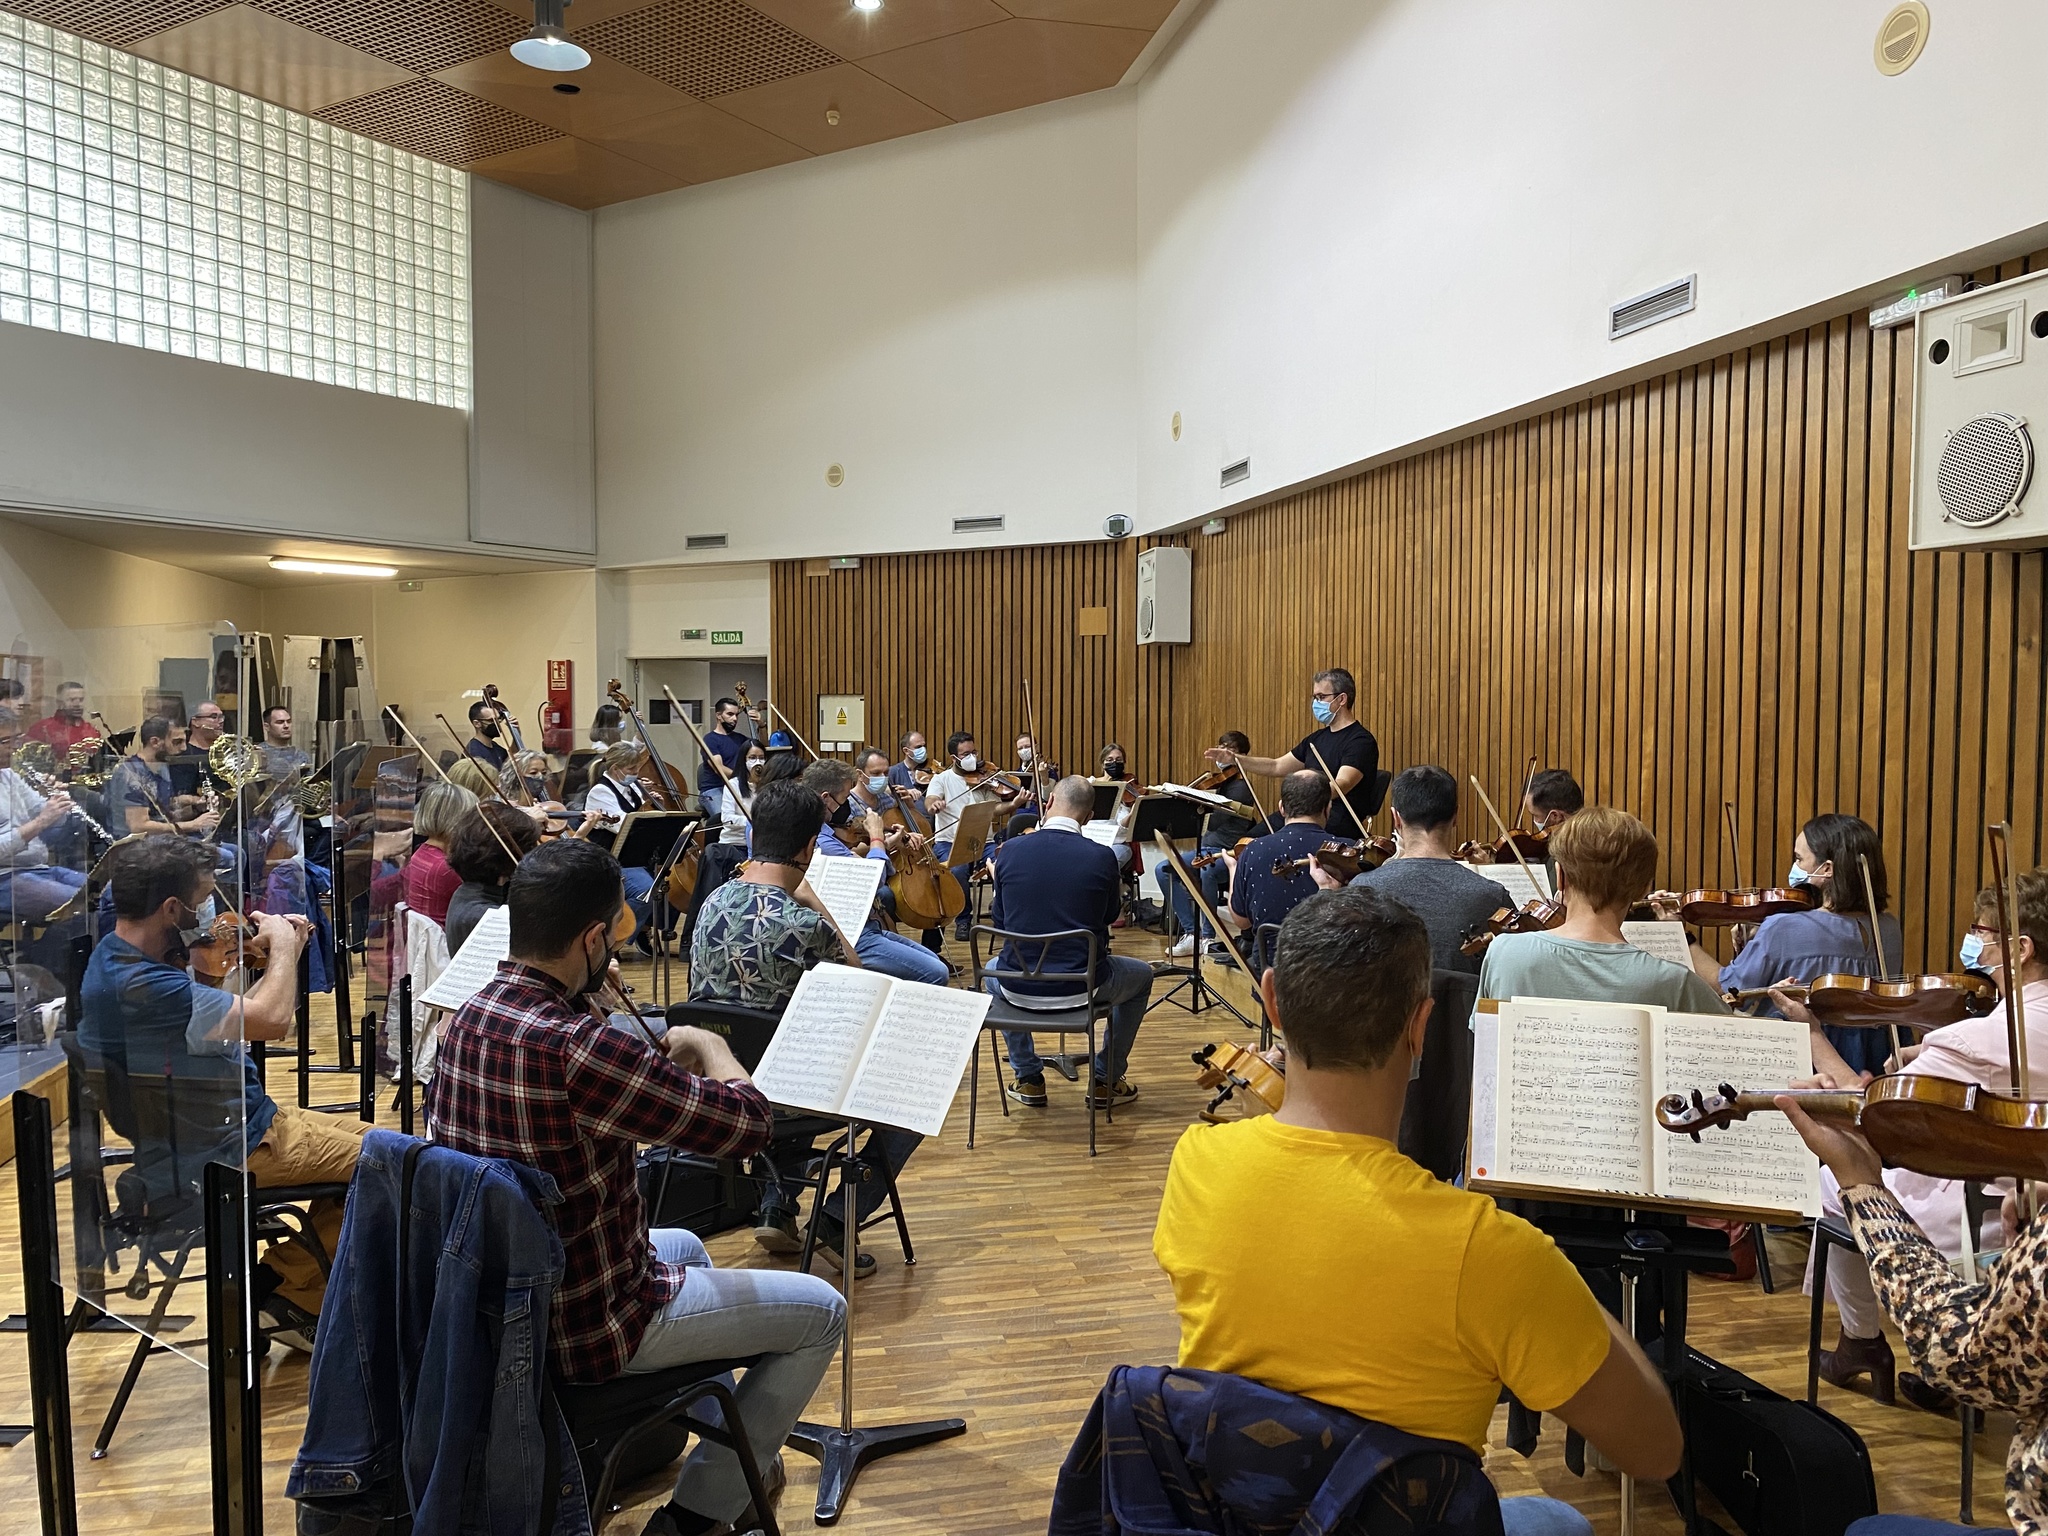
(558,715)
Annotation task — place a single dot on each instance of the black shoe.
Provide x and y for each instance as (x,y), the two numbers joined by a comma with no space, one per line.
(291,1326)
(674,1520)
(775,1230)
(829,1249)
(1028,1091)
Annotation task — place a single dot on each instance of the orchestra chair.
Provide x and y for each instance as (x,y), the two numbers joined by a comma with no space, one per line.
(1438,1109)
(747,1031)
(630,1428)
(1083,1019)
(1830,1232)
(1376,792)
(153,1115)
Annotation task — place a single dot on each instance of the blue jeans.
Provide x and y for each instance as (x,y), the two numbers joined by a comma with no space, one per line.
(30,893)
(1127,990)
(713,801)
(1532,1514)
(640,900)
(942,852)
(1908,1525)
(794,1322)
(896,956)
(1210,877)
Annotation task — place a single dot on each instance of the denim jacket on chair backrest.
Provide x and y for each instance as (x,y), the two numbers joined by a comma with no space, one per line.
(427,1390)
(1173,1452)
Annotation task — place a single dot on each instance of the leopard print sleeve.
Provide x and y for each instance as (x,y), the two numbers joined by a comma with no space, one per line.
(1981,1342)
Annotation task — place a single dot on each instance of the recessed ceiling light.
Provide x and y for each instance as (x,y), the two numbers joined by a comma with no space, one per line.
(567,89)
(548,46)
(867,5)
(331,568)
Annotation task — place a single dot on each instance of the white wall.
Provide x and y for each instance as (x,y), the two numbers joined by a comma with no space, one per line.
(950,317)
(1325,231)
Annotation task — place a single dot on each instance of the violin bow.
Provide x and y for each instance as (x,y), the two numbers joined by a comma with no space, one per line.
(1507,837)
(1734,842)
(1349,809)
(1877,941)
(2006,881)
(1037,749)
(715,760)
(1528,779)
(1253,789)
(460,751)
(1216,924)
(420,747)
(775,714)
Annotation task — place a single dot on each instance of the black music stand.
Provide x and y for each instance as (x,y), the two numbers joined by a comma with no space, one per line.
(654,840)
(1180,820)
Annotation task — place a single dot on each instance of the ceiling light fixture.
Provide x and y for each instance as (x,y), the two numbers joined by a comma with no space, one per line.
(548,46)
(867,5)
(331,568)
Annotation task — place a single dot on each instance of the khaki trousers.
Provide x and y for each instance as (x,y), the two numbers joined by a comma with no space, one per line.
(303,1146)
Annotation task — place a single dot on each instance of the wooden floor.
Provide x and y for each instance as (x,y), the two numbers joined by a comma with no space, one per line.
(1034,1277)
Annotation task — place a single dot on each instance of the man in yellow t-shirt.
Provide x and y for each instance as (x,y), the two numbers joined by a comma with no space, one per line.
(1308,1254)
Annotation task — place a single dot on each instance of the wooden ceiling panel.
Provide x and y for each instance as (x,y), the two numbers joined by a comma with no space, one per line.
(421,35)
(699,143)
(706,47)
(263,56)
(438,122)
(855,34)
(117,23)
(576,172)
(1012,64)
(870,110)
(1148,15)
(598,98)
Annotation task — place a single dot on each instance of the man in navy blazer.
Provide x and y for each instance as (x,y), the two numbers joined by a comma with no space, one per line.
(1055,879)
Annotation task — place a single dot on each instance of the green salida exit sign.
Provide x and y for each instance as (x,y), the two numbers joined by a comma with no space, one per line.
(728,637)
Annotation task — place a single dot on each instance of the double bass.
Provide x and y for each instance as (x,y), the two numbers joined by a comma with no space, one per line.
(682,873)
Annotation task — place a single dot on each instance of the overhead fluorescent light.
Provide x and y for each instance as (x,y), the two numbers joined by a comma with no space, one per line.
(332,568)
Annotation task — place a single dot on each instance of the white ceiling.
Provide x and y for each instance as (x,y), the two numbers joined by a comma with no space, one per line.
(244,557)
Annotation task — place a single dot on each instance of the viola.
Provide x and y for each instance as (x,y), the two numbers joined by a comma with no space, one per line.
(1917,1002)
(1233,1070)
(232,943)
(1341,858)
(1520,842)
(1538,916)
(1711,907)
(1935,1126)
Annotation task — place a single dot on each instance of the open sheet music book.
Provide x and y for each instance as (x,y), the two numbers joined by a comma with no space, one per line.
(475,965)
(1563,1094)
(863,1046)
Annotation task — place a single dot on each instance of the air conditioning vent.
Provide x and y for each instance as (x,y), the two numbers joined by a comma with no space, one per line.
(977,525)
(1648,309)
(704,541)
(1236,474)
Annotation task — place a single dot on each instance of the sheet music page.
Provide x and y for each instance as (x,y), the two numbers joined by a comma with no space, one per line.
(811,1060)
(1485,1090)
(1522,889)
(1760,1162)
(1107,833)
(1207,797)
(475,963)
(914,1061)
(1667,941)
(847,887)
(1571,1104)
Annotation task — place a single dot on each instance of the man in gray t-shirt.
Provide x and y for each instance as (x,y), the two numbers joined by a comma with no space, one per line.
(1425,877)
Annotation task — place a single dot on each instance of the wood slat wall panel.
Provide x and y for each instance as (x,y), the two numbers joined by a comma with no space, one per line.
(1692,590)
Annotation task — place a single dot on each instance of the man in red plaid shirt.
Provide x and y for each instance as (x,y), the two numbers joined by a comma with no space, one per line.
(529,1071)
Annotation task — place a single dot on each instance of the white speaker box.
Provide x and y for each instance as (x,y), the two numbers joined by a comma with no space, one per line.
(1980,400)
(1164,583)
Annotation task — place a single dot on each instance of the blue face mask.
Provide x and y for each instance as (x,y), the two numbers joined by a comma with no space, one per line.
(917,754)
(1972,952)
(1797,876)
(878,784)
(1323,710)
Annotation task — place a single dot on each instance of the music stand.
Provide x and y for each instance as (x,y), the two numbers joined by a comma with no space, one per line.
(654,840)
(1201,995)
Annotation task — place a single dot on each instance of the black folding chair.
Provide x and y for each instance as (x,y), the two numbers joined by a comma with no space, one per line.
(1081,1019)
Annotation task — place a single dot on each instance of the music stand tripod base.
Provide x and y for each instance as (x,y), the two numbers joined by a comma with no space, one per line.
(844,1450)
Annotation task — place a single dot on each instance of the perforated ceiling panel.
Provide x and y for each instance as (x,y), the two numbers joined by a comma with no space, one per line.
(422,35)
(116,23)
(707,47)
(438,122)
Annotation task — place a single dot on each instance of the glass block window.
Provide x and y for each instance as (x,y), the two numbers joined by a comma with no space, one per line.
(139,205)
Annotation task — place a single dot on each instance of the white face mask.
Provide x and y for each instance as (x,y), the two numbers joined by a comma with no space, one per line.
(969,763)
(1024,756)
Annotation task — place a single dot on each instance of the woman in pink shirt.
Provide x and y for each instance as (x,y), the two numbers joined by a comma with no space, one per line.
(429,881)
(1973,1051)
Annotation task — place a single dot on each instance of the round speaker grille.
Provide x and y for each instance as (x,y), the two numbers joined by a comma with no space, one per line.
(1986,466)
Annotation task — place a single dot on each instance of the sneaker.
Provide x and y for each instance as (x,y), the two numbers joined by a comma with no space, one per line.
(1120,1092)
(1219,954)
(1028,1091)
(828,1250)
(1183,946)
(291,1326)
(775,1230)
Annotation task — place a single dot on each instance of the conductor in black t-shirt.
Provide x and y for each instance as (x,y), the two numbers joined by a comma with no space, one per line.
(1347,750)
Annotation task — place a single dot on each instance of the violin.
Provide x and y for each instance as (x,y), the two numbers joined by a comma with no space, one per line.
(991,777)
(1520,843)
(232,943)
(1538,916)
(1340,858)
(1216,777)
(1935,1126)
(1233,1070)
(1916,1002)
(1204,860)
(1711,907)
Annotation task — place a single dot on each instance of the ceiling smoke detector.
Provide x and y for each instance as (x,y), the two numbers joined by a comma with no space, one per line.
(548,45)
